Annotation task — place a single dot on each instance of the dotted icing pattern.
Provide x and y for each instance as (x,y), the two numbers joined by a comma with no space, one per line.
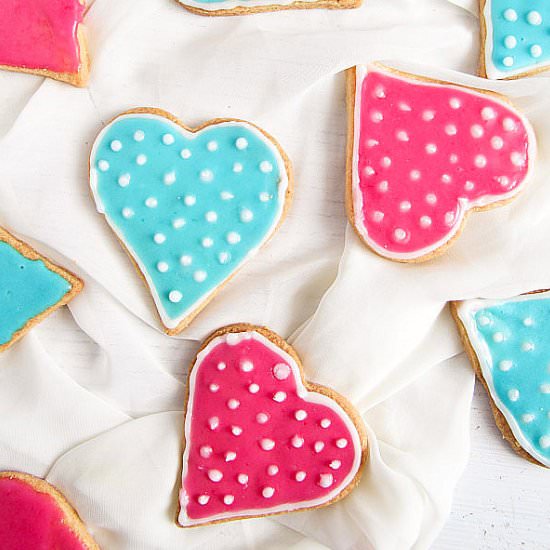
(425,153)
(518,36)
(27,289)
(256,441)
(41,34)
(31,519)
(510,338)
(189,207)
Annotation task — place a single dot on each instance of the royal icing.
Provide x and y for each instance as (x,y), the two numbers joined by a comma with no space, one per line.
(27,289)
(517,36)
(190,208)
(510,340)
(32,519)
(41,34)
(426,153)
(260,443)
(227,5)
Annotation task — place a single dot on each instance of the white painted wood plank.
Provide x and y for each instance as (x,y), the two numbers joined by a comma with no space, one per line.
(502,501)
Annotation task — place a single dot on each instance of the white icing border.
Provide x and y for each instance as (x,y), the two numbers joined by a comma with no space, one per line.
(491,70)
(232,4)
(361,72)
(312,397)
(167,321)
(466,311)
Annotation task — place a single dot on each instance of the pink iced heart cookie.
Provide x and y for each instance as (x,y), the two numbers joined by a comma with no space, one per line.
(260,440)
(423,154)
(44,37)
(34,515)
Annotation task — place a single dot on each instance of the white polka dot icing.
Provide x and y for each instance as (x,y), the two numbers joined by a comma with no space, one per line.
(474,152)
(169,178)
(285,458)
(517,40)
(281,371)
(168,139)
(215,475)
(509,338)
(116,145)
(124,180)
(180,189)
(300,476)
(206,175)
(236,430)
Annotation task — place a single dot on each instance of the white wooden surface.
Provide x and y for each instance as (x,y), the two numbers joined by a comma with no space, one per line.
(502,501)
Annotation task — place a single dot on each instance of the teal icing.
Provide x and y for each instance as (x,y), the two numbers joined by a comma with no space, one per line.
(204,189)
(27,288)
(515,335)
(526,35)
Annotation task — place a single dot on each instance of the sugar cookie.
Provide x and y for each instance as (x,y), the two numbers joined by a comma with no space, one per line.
(35,515)
(44,37)
(31,287)
(259,439)
(422,154)
(515,38)
(507,343)
(190,206)
(246,7)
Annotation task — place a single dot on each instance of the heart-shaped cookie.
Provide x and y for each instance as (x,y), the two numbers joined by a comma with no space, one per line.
(31,287)
(189,206)
(34,515)
(245,7)
(259,439)
(422,154)
(515,37)
(45,38)
(507,342)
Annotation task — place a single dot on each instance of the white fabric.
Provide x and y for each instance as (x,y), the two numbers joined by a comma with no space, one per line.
(376,331)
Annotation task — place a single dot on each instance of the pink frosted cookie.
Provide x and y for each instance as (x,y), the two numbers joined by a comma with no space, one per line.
(422,154)
(259,439)
(35,516)
(44,37)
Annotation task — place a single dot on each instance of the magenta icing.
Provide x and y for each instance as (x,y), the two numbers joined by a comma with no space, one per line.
(40,34)
(30,519)
(234,400)
(426,153)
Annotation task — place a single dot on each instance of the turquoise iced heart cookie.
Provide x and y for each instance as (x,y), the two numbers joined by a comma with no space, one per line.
(515,36)
(509,346)
(189,206)
(31,287)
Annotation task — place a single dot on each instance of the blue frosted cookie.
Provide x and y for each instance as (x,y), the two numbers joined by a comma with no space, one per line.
(515,37)
(190,206)
(508,344)
(31,287)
